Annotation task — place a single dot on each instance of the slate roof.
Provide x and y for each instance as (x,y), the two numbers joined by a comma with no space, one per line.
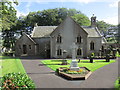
(92,31)
(42,31)
(30,38)
(45,31)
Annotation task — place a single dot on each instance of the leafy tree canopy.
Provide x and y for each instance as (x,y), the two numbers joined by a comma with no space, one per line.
(7,14)
(82,19)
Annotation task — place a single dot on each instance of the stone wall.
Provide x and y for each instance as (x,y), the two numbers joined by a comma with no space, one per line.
(69,31)
(30,46)
(97,45)
(43,46)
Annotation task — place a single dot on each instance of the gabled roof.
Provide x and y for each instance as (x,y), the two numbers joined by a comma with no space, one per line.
(92,31)
(24,34)
(42,31)
(46,31)
(63,23)
(30,38)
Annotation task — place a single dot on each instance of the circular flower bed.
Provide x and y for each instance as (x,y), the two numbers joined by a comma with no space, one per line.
(82,74)
(80,71)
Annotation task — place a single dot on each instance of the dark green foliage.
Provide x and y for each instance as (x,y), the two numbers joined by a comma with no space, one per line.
(7,14)
(65,70)
(81,19)
(8,21)
(118,35)
(64,62)
(105,30)
(117,84)
(14,81)
(50,17)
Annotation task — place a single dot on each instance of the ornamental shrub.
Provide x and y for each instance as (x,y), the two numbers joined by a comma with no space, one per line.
(12,81)
(117,84)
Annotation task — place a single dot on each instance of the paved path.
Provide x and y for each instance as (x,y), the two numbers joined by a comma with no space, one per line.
(46,78)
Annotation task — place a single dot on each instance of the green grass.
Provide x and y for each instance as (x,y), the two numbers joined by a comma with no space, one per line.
(10,65)
(117,54)
(84,63)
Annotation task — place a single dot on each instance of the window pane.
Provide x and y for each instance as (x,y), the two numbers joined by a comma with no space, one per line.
(29,46)
(79,39)
(79,52)
(92,46)
(59,39)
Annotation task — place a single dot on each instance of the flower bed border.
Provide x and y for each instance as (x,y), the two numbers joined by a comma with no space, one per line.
(71,76)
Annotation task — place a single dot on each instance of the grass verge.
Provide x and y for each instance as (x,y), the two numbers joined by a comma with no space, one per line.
(10,65)
(54,64)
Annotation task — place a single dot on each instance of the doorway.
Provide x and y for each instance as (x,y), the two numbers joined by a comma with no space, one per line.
(48,53)
(24,49)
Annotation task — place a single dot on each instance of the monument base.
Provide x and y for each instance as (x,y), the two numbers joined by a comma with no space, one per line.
(74,65)
(75,68)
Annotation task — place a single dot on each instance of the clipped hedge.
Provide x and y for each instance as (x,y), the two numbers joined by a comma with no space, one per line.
(14,81)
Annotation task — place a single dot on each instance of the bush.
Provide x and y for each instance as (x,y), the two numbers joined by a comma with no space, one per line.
(14,81)
(7,54)
(117,84)
(64,62)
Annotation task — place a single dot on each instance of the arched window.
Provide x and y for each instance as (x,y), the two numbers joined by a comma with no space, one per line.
(59,39)
(92,45)
(102,48)
(59,52)
(78,39)
(30,47)
(79,51)
(19,46)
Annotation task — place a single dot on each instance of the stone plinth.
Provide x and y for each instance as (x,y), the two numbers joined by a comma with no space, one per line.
(74,65)
(82,76)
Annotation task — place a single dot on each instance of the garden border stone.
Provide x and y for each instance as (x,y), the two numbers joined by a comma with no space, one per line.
(73,76)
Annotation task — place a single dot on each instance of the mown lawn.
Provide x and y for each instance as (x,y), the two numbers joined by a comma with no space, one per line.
(53,64)
(9,65)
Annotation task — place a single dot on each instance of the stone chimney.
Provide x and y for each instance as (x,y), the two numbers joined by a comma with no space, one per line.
(93,21)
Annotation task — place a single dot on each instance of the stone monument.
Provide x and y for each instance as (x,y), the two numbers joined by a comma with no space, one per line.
(74,65)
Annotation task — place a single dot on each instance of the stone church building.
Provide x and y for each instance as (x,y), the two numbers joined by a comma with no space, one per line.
(53,41)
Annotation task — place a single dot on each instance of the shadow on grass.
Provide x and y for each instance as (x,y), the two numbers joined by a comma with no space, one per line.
(84,62)
(7,57)
(43,73)
(93,61)
(100,61)
(56,60)
(47,64)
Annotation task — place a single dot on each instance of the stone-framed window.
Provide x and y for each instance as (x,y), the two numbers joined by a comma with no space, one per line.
(30,47)
(92,46)
(79,51)
(79,39)
(19,46)
(59,52)
(59,39)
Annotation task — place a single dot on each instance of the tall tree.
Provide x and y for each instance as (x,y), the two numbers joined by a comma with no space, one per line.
(7,14)
(8,19)
(53,17)
(81,19)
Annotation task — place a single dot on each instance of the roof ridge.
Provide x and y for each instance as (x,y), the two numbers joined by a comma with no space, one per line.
(30,38)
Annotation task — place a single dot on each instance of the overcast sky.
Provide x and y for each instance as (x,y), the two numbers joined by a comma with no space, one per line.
(106,10)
